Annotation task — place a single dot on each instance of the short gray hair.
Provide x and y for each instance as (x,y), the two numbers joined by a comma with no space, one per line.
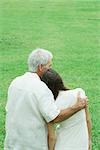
(38,57)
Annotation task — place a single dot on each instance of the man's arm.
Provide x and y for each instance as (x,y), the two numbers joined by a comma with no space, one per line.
(68,112)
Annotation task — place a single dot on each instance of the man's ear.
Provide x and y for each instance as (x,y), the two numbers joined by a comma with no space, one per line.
(40,67)
(40,70)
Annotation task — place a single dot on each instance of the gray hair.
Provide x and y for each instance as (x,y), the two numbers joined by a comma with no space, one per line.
(38,57)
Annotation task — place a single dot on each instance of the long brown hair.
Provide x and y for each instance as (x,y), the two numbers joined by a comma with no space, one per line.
(54,82)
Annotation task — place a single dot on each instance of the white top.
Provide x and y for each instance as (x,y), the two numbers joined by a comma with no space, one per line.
(72,133)
(30,105)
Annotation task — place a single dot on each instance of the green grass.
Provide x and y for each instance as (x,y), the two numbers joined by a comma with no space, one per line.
(69,29)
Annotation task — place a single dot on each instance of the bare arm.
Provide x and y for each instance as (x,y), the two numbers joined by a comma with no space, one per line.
(68,112)
(51,136)
(89,126)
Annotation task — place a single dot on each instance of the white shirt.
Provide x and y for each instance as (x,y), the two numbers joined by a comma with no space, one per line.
(72,133)
(30,105)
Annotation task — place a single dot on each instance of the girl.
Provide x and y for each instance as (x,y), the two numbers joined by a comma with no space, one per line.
(75,132)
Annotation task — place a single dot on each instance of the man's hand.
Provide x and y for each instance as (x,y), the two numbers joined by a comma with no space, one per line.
(81,102)
(68,112)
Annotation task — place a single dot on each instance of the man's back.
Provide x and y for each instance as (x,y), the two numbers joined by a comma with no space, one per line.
(24,120)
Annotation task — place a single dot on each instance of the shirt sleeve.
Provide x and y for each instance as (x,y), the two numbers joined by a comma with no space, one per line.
(47,105)
(82,92)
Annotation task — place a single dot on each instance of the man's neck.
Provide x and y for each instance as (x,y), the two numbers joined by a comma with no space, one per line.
(39,74)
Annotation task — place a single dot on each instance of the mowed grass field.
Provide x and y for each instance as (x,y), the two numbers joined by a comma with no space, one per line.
(70,30)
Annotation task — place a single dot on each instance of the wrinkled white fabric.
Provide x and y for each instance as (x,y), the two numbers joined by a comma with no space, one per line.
(72,133)
(30,105)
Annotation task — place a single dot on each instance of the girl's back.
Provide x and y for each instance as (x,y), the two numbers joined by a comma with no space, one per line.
(72,133)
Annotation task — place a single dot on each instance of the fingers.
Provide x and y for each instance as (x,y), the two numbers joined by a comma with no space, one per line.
(86,101)
(78,95)
(82,102)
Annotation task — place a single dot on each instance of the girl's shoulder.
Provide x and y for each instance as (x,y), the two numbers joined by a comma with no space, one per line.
(80,90)
(65,99)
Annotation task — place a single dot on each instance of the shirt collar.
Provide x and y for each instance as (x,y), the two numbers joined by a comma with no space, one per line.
(32,74)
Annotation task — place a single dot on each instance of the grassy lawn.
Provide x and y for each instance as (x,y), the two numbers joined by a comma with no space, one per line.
(69,29)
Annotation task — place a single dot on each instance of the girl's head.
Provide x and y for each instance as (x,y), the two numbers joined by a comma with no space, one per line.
(53,81)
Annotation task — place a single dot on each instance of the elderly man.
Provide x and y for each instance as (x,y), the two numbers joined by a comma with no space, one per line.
(31,105)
